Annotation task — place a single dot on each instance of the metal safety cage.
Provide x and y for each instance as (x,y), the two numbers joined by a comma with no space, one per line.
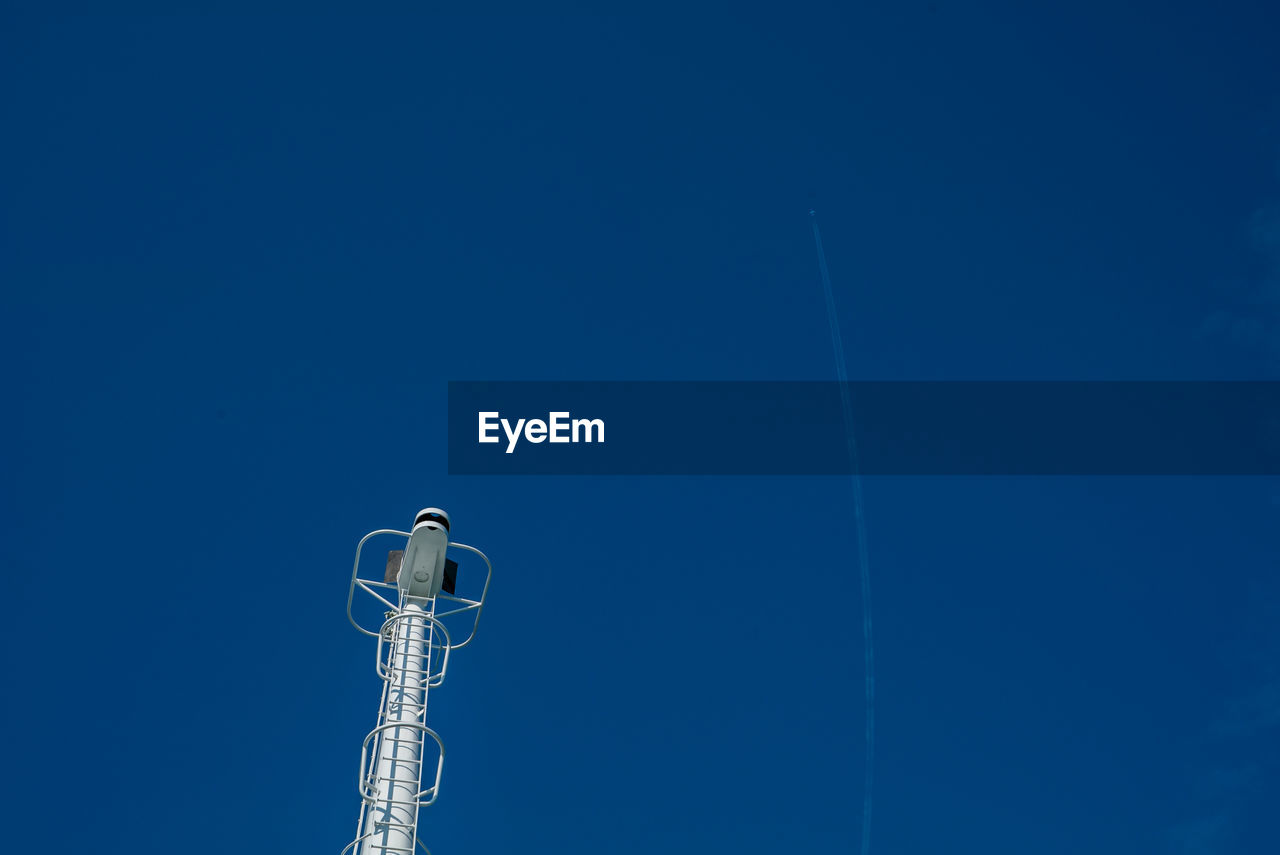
(369,752)
(453,605)
(354,843)
(437,648)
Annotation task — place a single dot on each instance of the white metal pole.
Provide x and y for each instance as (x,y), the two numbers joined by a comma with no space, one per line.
(391,820)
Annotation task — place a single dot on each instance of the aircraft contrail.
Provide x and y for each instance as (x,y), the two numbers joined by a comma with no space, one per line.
(864,566)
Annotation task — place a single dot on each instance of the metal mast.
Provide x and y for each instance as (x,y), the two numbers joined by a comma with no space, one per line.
(414,642)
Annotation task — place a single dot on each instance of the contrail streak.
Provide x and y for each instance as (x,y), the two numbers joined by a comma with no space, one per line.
(860,525)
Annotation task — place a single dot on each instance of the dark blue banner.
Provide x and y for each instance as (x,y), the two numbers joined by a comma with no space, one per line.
(899,428)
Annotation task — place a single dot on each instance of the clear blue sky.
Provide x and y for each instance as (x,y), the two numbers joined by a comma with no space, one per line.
(241,255)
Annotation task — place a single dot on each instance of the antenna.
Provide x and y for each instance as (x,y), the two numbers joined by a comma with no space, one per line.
(414,643)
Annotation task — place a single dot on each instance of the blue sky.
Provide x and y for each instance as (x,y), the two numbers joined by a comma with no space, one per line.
(243,255)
